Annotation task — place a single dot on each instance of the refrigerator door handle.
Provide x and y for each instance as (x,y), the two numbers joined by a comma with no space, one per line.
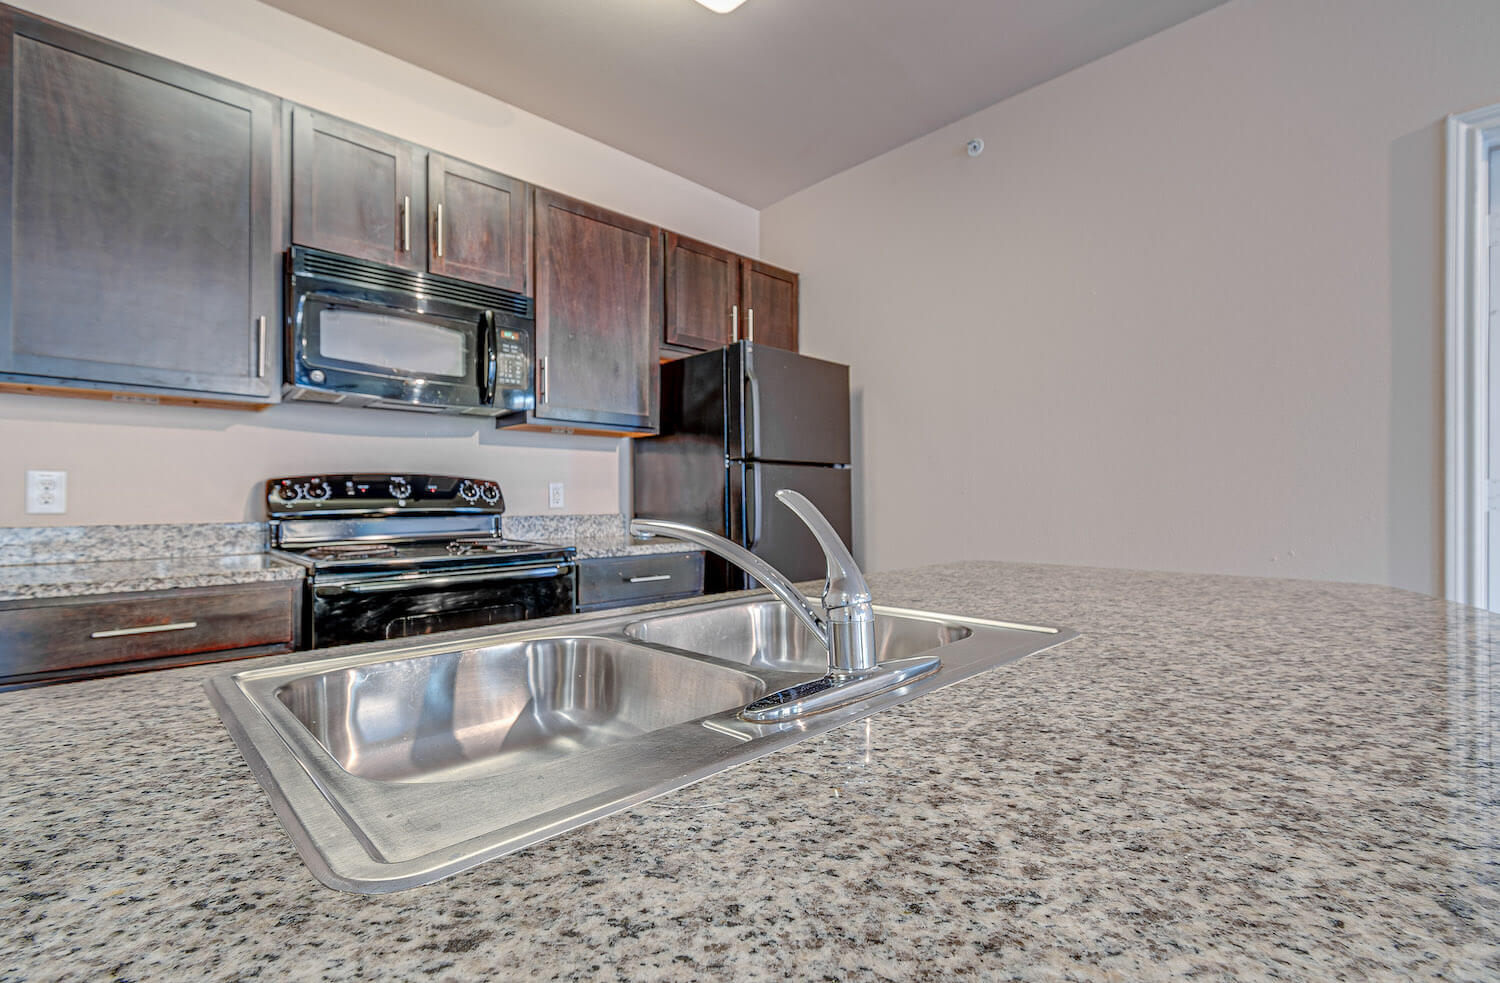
(753,502)
(751,409)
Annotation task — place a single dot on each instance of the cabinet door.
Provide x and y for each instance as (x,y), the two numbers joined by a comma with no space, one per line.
(141,241)
(354,192)
(770,298)
(481,228)
(598,315)
(703,294)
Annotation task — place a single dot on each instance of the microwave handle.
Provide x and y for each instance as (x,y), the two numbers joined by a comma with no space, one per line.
(487,365)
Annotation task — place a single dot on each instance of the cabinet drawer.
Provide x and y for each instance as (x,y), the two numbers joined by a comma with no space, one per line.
(54,636)
(638,579)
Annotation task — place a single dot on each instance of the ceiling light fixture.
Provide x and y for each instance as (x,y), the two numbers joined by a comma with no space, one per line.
(721,6)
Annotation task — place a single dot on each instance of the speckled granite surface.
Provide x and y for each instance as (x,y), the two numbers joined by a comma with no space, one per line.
(593,536)
(82,544)
(117,576)
(1223,779)
(63,561)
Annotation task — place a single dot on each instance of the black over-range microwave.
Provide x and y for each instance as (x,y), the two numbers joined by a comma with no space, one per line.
(364,334)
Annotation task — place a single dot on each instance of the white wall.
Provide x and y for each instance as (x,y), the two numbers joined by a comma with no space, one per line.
(177,464)
(1184,313)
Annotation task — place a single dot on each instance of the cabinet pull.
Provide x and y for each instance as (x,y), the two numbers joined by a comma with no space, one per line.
(541,385)
(144,630)
(440,230)
(750,316)
(647,580)
(734,324)
(260,347)
(406,224)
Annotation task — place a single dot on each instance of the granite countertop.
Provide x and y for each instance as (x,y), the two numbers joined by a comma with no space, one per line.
(64,561)
(116,576)
(1223,778)
(593,536)
(608,547)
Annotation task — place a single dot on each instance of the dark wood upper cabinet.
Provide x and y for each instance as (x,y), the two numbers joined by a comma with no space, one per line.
(703,294)
(357,192)
(715,297)
(480,224)
(598,316)
(141,219)
(769,296)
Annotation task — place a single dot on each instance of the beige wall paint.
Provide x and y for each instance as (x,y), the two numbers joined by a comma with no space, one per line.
(1184,313)
(176,464)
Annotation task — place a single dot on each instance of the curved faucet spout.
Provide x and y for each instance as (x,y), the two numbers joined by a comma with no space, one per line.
(846,585)
(746,561)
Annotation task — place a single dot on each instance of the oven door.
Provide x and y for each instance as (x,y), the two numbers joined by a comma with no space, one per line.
(419,359)
(371,607)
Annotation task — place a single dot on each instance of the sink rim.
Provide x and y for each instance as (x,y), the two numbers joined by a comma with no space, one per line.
(313,803)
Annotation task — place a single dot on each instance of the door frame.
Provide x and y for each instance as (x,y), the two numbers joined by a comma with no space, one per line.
(1471,137)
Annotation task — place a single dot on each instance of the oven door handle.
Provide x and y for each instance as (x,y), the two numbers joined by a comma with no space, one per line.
(421,581)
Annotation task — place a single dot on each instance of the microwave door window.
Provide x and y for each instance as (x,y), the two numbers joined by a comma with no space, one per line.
(393,345)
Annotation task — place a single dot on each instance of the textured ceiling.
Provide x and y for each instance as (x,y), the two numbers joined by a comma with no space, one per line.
(761,102)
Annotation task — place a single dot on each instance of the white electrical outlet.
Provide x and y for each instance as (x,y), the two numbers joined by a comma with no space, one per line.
(46,492)
(555,495)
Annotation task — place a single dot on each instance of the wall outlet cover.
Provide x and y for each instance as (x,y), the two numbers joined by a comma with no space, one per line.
(555,495)
(46,492)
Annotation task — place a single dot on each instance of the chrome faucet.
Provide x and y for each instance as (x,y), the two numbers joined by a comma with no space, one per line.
(845,627)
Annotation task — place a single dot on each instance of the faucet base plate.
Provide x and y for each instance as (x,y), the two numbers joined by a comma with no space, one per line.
(836,690)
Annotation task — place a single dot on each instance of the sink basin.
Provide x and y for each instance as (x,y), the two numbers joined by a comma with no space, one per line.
(477,711)
(396,764)
(766,634)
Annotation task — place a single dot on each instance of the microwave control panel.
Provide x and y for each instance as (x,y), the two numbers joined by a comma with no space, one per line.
(512,359)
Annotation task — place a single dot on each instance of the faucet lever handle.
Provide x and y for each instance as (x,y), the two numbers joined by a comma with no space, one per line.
(845,584)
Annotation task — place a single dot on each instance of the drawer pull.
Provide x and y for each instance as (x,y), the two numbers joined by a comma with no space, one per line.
(144,630)
(647,580)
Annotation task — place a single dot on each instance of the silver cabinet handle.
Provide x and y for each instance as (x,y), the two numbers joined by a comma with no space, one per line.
(750,315)
(144,630)
(440,230)
(406,224)
(541,370)
(647,580)
(260,347)
(734,324)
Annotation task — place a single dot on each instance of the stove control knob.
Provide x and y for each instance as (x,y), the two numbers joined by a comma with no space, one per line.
(490,492)
(316,490)
(468,491)
(400,488)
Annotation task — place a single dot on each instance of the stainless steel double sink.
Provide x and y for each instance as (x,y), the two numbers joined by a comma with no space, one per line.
(393,767)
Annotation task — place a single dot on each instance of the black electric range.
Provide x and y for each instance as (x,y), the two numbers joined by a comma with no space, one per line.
(397,555)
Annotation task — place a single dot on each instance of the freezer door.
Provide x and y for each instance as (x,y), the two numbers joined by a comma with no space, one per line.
(775,534)
(785,407)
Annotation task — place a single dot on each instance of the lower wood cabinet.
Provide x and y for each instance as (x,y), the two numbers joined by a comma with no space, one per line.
(55,639)
(621,581)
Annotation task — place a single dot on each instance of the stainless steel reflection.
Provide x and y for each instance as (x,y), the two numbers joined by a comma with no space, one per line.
(846,629)
(766,635)
(394,765)
(461,714)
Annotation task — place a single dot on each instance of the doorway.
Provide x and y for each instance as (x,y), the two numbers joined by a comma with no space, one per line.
(1472,567)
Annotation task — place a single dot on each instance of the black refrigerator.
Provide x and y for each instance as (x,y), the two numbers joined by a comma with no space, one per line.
(738,425)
